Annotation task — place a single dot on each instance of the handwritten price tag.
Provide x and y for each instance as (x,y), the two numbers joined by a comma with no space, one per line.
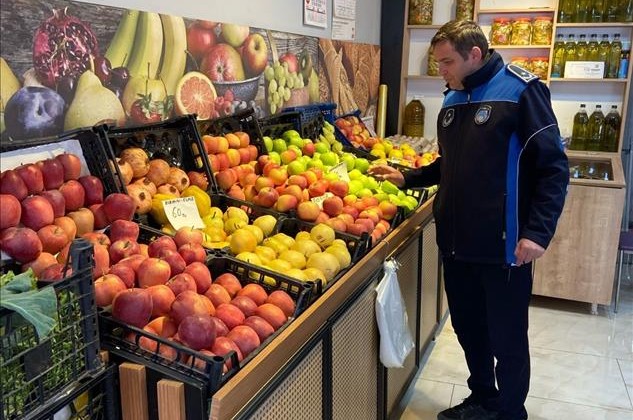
(183,212)
(320,199)
(341,170)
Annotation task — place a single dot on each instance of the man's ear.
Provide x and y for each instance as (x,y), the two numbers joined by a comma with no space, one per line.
(476,54)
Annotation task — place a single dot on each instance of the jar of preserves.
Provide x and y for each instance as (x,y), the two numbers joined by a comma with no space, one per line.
(433,68)
(523,62)
(521,31)
(420,12)
(501,31)
(540,66)
(464,9)
(542,30)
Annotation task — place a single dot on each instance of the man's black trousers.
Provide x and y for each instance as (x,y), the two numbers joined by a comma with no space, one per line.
(489,312)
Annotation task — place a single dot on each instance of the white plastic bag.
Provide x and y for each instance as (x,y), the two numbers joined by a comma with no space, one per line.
(395,338)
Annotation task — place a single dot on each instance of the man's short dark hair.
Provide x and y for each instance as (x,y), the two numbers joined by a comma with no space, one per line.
(463,35)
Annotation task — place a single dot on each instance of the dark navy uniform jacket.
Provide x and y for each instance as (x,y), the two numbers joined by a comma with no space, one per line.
(502,173)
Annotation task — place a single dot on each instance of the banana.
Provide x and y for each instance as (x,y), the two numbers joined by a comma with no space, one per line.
(174,54)
(148,46)
(122,42)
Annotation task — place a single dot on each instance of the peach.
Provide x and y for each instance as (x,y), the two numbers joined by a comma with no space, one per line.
(272,314)
(162,299)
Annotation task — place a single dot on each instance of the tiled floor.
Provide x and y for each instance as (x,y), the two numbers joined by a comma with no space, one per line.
(582,364)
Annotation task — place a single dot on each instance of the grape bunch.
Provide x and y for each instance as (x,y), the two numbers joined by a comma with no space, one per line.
(279,84)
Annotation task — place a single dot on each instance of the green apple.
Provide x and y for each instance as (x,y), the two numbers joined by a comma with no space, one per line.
(279,145)
(297,142)
(234,34)
(361,164)
(296,149)
(290,134)
(348,158)
(315,163)
(371,183)
(410,202)
(364,192)
(381,196)
(329,158)
(355,186)
(337,147)
(275,157)
(268,144)
(331,176)
(355,174)
(322,147)
(296,167)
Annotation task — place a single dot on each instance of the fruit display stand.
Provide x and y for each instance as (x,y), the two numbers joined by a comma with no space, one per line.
(326,357)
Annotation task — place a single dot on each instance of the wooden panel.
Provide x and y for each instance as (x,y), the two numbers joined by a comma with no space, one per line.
(580,261)
(355,359)
(133,388)
(171,400)
(428,314)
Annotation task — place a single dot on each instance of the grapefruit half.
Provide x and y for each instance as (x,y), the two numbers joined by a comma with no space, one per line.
(195,94)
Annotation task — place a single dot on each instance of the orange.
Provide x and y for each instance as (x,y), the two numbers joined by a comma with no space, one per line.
(195,94)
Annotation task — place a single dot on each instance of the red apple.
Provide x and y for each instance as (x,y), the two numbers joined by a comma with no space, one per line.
(106,288)
(333,205)
(220,327)
(229,282)
(299,180)
(100,219)
(74,194)
(57,200)
(32,177)
(230,314)
(133,306)
(122,248)
(339,188)
(188,303)
(273,314)
(71,164)
(153,271)
(308,211)
(198,179)
(11,211)
(201,274)
(217,294)
(223,346)
(282,300)
(11,183)
(55,272)
(192,253)
(163,325)
(260,326)
(162,299)
(174,259)
(181,282)
(157,245)
(52,172)
(93,188)
(286,202)
(200,38)
(101,261)
(266,197)
(39,264)
(134,261)
(197,331)
(254,54)
(97,238)
(53,238)
(37,212)
(188,235)
(124,229)
(255,292)
(222,63)
(226,179)
(245,304)
(245,337)
(125,273)
(119,206)
(293,62)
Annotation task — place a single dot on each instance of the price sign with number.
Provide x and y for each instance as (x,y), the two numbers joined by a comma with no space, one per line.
(320,199)
(341,171)
(183,212)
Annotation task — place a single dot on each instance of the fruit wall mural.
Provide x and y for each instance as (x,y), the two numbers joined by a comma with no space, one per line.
(66,65)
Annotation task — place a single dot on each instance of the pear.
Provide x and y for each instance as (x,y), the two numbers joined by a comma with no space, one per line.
(139,86)
(93,103)
(313,87)
(9,84)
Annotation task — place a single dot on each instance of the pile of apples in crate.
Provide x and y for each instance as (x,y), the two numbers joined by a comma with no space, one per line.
(167,289)
(46,204)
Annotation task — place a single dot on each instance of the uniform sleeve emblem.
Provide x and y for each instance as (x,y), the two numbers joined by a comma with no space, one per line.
(521,73)
(448,117)
(483,114)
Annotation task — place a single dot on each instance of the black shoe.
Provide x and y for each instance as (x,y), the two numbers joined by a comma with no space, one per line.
(469,409)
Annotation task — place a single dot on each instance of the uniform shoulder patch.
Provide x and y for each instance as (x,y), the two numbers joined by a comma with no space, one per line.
(521,73)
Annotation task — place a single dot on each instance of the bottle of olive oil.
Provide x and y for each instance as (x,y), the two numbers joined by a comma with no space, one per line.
(558,65)
(614,57)
(570,48)
(581,48)
(611,130)
(604,48)
(596,130)
(580,131)
(592,48)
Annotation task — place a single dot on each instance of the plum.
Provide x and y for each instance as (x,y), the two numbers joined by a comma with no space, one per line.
(34,111)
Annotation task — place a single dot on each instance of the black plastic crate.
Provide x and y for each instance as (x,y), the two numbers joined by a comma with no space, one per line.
(312,111)
(275,125)
(35,371)
(311,119)
(175,140)
(94,398)
(122,341)
(245,121)
(357,246)
(96,153)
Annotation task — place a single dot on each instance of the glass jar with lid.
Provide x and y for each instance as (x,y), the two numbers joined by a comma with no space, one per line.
(433,68)
(542,30)
(420,12)
(521,31)
(540,66)
(501,31)
(464,9)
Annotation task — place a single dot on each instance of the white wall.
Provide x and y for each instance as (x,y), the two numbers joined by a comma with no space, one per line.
(281,15)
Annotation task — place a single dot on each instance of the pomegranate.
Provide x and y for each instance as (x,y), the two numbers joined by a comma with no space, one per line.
(62,47)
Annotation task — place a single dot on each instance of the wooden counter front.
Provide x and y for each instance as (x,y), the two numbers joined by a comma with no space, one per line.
(240,389)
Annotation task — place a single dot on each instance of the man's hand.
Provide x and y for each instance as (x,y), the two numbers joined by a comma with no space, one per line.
(527,251)
(386,172)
